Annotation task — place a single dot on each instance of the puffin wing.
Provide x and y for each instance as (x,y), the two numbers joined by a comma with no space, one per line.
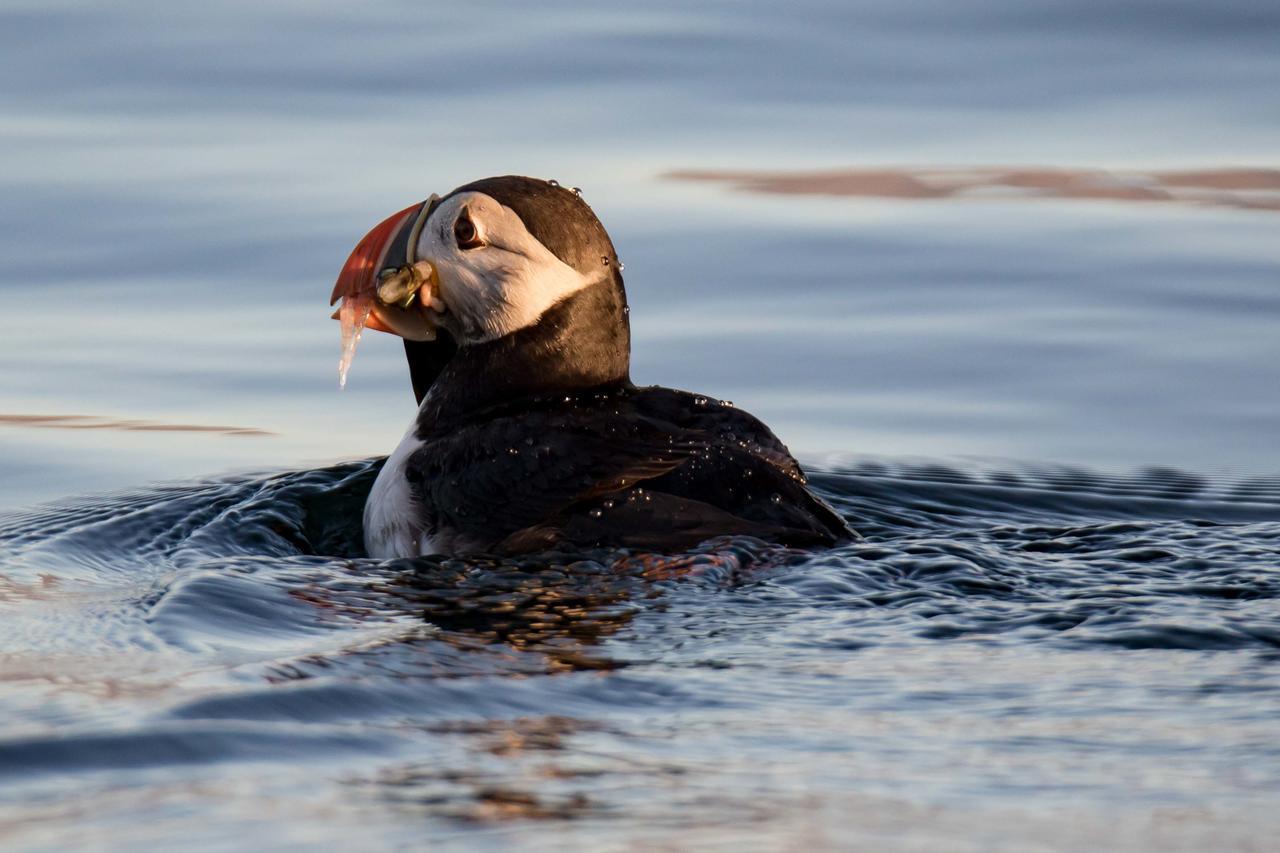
(651,468)
(717,492)
(720,422)
(742,479)
(496,476)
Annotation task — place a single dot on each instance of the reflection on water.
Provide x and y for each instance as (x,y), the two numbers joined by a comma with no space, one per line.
(486,797)
(1251,189)
(91,422)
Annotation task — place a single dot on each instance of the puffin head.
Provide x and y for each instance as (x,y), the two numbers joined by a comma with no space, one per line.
(494,260)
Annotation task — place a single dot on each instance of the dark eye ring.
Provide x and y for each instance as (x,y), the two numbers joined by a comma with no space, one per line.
(464,231)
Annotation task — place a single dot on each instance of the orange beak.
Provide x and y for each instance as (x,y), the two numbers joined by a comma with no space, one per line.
(392,243)
(360,273)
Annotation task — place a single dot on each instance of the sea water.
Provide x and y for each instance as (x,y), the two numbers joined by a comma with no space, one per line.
(1052,417)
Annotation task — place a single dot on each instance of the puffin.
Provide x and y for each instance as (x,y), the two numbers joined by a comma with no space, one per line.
(530,435)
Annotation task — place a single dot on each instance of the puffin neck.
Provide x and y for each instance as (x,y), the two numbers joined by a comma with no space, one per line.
(579,344)
(426,361)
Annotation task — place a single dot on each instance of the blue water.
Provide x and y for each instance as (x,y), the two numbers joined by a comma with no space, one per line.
(1053,419)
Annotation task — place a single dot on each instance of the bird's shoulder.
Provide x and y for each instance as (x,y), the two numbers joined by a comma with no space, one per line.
(539,463)
(629,421)
(720,422)
(514,464)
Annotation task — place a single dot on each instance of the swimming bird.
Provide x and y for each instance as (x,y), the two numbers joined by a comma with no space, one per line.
(530,434)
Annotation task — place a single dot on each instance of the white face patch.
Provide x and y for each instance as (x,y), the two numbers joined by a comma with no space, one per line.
(504,284)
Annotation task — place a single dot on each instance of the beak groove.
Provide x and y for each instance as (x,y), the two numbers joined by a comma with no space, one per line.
(360,273)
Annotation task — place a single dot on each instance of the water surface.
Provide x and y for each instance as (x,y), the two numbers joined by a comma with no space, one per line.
(1051,409)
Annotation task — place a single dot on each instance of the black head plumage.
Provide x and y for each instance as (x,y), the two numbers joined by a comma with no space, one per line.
(557,217)
(566,225)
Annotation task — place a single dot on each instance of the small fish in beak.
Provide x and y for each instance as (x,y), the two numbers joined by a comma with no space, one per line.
(399,287)
(353,314)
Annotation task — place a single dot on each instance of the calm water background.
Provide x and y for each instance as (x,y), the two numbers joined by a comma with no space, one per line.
(1056,422)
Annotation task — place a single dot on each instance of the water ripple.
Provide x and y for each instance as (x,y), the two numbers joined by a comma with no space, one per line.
(235,623)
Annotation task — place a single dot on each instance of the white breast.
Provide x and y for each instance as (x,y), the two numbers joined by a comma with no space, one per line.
(392,521)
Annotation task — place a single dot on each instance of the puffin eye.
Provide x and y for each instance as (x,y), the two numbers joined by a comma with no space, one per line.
(464,231)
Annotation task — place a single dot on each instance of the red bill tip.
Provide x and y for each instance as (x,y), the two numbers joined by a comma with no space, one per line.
(361,269)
